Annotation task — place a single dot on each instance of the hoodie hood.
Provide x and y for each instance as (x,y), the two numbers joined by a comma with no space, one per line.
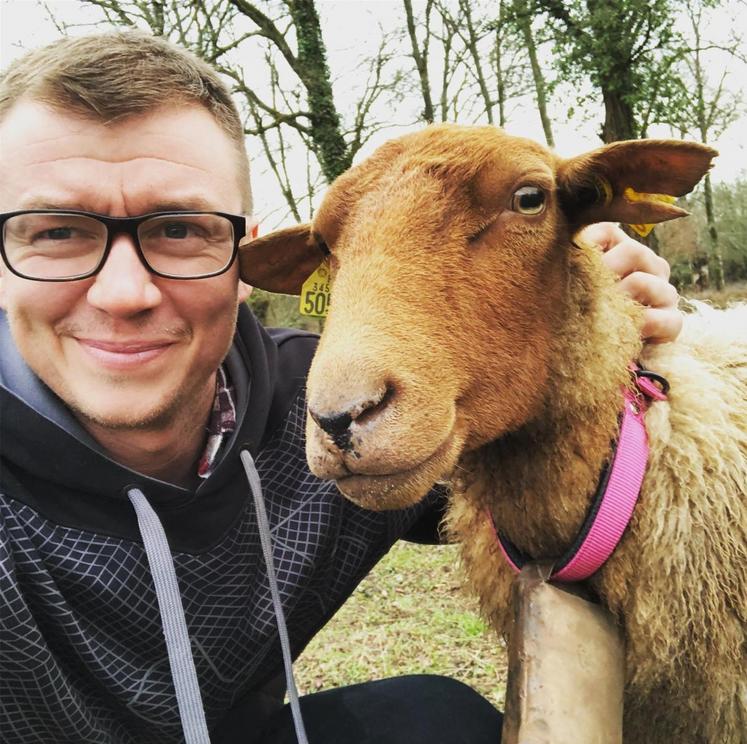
(33,417)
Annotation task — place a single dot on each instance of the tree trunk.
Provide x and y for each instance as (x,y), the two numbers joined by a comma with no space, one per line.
(330,146)
(471,43)
(619,123)
(421,63)
(715,259)
(525,20)
(158,23)
(500,82)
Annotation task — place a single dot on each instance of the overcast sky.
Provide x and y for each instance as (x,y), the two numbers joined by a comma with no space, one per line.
(347,26)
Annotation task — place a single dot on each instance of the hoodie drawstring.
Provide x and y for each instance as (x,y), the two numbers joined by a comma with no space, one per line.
(265,539)
(178,647)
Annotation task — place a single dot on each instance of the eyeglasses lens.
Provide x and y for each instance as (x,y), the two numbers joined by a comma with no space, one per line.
(59,246)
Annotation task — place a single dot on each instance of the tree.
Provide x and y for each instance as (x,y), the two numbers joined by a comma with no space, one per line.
(707,108)
(625,49)
(309,63)
(419,52)
(287,98)
(520,16)
(730,212)
(467,62)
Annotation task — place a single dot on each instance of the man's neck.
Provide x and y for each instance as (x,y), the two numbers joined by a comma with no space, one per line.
(167,451)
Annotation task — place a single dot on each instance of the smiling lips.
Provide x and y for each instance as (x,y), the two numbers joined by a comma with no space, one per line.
(124,354)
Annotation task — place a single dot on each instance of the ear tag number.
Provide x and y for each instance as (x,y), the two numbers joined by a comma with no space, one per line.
(314,300)
(635,196)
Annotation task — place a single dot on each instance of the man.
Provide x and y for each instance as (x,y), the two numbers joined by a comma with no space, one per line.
(135,603)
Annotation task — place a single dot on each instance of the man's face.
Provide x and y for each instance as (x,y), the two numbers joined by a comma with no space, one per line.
(124,349)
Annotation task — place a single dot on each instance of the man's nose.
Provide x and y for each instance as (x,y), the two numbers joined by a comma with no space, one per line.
(123,286)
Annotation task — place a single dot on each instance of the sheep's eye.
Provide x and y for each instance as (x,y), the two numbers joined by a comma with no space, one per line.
(528,200)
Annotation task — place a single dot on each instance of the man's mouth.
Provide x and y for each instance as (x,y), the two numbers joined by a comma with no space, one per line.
(124,354)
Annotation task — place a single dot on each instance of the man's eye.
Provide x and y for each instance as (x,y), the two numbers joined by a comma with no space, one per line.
(57,233)
(176,230)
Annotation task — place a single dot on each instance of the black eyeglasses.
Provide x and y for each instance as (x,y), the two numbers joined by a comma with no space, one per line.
(57,245)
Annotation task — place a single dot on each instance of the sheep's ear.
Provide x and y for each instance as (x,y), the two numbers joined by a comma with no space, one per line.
(629,181)
(280,261)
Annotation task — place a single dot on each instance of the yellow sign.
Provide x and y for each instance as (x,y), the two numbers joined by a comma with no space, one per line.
(314,300)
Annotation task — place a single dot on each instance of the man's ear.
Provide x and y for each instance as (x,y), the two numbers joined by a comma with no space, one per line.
(625,181)
(280,261)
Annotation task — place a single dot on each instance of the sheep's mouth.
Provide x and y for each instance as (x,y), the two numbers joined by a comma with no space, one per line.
(403,488)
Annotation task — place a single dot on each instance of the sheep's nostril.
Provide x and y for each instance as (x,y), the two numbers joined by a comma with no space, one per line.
(337,426)
(337,423)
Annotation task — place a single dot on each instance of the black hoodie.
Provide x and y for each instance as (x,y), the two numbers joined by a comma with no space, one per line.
(82,650)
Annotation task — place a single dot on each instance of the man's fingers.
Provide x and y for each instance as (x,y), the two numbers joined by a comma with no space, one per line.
(629,256)
(662,321)
(623,254)
(604,234)
(644,276)
(661,325)
(650,290)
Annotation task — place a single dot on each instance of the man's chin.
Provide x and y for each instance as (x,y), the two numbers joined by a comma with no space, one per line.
(117,419)
(122,410)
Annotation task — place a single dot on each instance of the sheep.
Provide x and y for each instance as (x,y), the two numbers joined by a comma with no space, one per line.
(473,337)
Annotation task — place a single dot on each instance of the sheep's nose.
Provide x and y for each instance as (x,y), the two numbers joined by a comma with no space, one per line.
(337,423)
(337,426)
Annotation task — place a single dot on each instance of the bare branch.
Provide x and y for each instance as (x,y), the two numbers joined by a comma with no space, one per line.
(270,31)
(420,57)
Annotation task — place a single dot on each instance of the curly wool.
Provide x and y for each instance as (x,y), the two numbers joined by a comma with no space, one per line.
(678,580)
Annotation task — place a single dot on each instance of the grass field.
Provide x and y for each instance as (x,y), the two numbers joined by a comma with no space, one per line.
(409,616)
(731,293)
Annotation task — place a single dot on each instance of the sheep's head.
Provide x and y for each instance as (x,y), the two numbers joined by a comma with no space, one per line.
(448,253)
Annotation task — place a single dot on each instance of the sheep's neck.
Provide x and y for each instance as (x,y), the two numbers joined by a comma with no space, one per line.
(539,481)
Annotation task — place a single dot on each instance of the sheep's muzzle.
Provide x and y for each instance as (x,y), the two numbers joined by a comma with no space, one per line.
(379,438)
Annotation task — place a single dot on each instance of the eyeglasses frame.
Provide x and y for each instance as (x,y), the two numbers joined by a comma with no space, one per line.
(129,226)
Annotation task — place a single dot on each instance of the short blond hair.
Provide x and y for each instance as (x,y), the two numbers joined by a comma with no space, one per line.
(115,75)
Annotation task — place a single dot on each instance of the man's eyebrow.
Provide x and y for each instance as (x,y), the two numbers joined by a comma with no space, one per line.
(43,204)
(195,204)
(190,204)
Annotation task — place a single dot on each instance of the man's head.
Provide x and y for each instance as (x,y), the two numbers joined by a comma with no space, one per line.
(121,125)
(113,76)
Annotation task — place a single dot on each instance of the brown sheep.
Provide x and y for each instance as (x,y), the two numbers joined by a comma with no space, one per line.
(472,338)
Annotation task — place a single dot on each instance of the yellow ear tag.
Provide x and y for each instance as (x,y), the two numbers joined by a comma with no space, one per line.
(635,196)
(314,300)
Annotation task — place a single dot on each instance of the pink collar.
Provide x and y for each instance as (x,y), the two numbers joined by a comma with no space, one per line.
(617,492)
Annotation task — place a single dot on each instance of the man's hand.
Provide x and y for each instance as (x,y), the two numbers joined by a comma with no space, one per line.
(644,276)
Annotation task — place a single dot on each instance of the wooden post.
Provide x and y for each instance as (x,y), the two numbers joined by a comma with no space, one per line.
(565,666)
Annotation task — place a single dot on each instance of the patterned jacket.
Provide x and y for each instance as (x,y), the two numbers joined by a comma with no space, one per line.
(82,650)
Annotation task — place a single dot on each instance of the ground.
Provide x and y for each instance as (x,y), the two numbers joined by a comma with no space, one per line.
(731,293)
(409,616)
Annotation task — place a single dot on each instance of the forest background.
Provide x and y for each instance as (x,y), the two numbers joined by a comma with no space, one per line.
(321,83)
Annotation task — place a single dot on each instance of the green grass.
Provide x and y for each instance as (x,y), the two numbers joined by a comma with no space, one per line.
(409,616)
